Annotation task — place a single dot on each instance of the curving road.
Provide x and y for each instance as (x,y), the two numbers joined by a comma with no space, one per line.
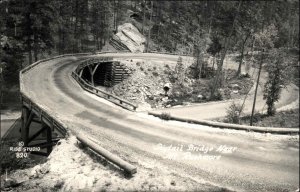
(258,162)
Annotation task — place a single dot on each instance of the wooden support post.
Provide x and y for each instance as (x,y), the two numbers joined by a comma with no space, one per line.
(94,70)
(24,117)
(39,153)
(37,134)
(26,125)
(91,73)
(52,125)
(49,139)
(80,73)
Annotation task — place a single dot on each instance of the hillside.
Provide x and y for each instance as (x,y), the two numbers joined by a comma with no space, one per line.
(145,86)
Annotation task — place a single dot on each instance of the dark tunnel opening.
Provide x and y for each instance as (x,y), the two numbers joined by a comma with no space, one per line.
(102,76)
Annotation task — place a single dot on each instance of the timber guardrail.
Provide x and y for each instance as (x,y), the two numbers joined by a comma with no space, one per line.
(276,130)
(43,115)
(86,141)
(170,53)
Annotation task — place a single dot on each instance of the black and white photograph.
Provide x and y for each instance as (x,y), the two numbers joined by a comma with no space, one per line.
(149,95)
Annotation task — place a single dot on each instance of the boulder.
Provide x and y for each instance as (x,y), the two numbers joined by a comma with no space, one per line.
(173,183)
(234,86)
(200,96)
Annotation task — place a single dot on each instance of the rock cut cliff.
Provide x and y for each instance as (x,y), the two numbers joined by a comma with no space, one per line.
(129,38)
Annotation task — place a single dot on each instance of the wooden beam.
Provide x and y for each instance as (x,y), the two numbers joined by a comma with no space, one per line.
(94,70)
(46,121)
(91,73)
(80,73)
(43,145)
(39,153)
(24,117)
(37,134)
(128,168)
(49,140)
(26,128)
(36,120)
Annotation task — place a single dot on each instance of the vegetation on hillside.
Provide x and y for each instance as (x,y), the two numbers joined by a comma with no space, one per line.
(289,118)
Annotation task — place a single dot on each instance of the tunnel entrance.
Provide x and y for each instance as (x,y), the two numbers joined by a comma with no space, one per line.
(105,73)
(98,74)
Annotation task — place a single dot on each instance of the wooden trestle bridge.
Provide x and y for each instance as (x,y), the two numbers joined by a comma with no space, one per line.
(101,71)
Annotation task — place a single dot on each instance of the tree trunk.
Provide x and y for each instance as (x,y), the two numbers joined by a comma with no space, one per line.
(29,51)
(242,56)
(63,41)
(144,17)
(75,45)
(104,27)
(60,31)
(117,12)
(220,66)
(289,29)
(116,7)
(219,70)
(241,62)
(293,33)
(95,41)
(199,63)
(28,28)
(35,54)
(114,14)
(35,47)
(81,36)
(213,65)
(149,31)
(59,40)
(257,83)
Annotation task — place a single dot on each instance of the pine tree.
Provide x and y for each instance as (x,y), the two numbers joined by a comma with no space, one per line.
(278,77)
(37,19)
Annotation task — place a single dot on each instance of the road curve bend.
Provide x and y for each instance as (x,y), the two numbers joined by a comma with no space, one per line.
(258,162)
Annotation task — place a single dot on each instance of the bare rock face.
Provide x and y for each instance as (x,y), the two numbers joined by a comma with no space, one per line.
(130,36)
